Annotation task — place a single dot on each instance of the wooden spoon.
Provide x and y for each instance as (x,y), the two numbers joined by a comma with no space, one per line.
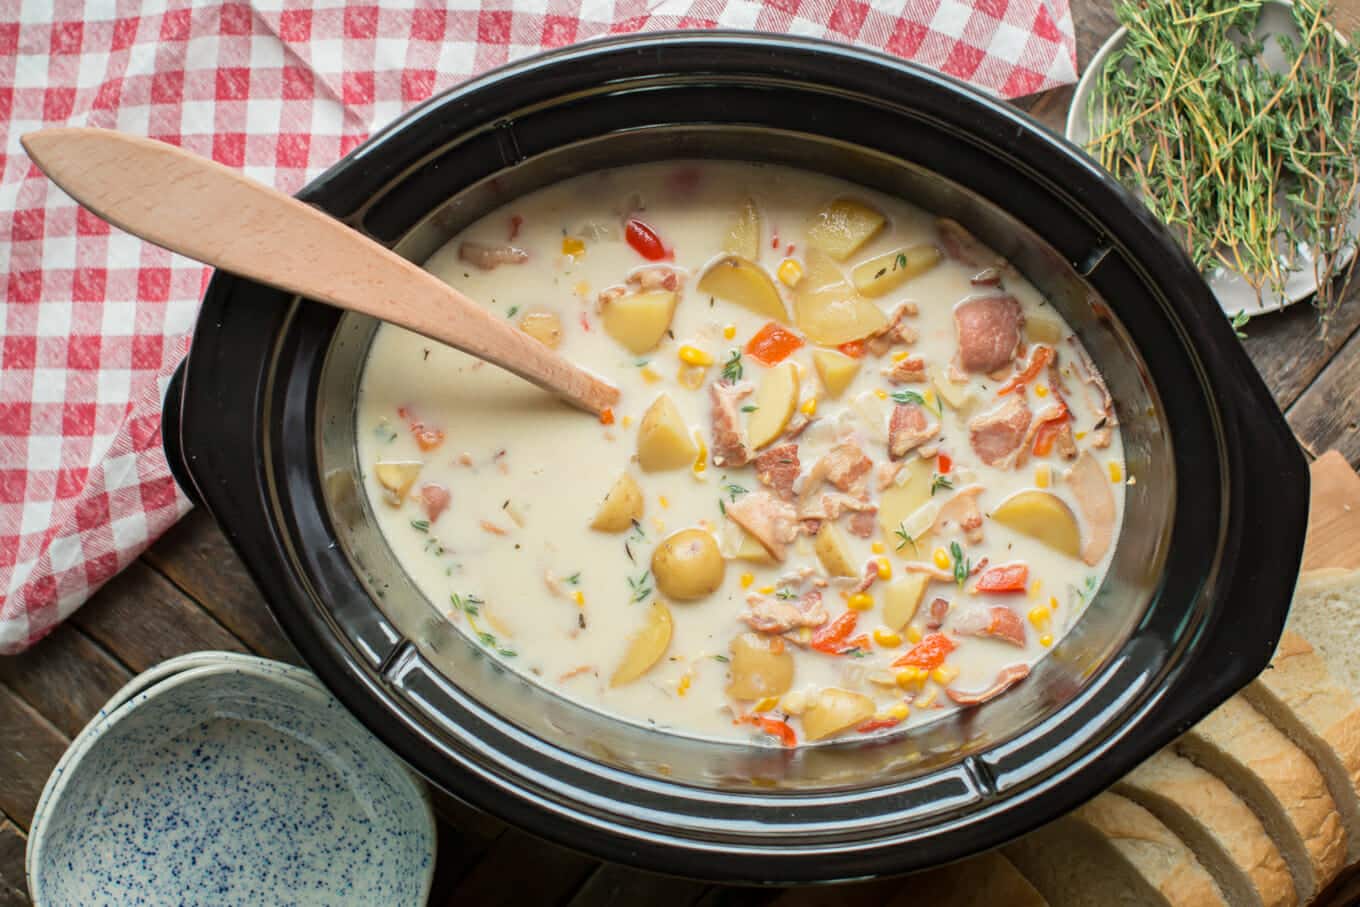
(199,208)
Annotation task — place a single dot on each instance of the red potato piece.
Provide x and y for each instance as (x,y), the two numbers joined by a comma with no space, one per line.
(772,522)
(489,257)
(435,499)
(997,435)
(729,448)
(772,615)
(908,429)
(1005,679)
(988,329)
(1095,500)
(995,622)
(778,468)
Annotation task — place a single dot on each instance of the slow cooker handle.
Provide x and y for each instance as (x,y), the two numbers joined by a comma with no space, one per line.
(171,408)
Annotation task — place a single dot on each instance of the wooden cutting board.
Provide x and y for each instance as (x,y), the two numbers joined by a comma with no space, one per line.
(1333,515)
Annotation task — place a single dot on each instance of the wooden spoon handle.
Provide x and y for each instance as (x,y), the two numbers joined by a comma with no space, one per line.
(199,208)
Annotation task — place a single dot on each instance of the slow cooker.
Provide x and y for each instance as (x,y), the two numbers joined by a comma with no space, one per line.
(259,427)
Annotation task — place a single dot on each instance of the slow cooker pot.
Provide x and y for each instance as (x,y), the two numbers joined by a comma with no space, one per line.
(259,425)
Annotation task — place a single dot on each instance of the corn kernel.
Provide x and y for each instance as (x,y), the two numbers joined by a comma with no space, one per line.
(766,704)
(692,355)
(804,634)
(900,355)
(659,523)
(683,686)
(929,396)
(911,677)
(701,459)
(901,711)
(730,331)
(794,703)
(880,393)
(941,558)
(1080,435)
(1046,640)
(944,675)
(884,568)
(766,590)
(860,601)
(1040,390)
(913,634)
(579,597)
(626,421)
(928,699)
(747,579)
(809,407)
(1034,588)
(789,272)
(573,246)
(1042,475)
(664,501)
(648,375)
(887,638)
(1039,617)
(877,548)
(691,377)
(1053,603)
(1116,474)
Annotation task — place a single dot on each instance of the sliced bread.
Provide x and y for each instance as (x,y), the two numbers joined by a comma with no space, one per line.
(1299,695)
(1326,612)
(986,880)
(1281,785)
(1222,831)
(1113,853)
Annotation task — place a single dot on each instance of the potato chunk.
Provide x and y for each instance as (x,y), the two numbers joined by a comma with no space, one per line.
(663,439)
(904,498)
(835,369)
(743,234)
(396,478)
(843,226)
(831,312)
(757,669)
(620,507)
(903,598)
(833,710)
(646,646)
(545,327)
(888,272)
(775,402)
(1041,516)
(688,565)
(732,278)
(959,397)
(832,552)
(639,320)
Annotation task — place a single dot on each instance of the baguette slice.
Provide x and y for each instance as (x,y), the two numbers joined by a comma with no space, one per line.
(1298,694)
(1280,784)
(986,879)
(1223,832)
(1113,853)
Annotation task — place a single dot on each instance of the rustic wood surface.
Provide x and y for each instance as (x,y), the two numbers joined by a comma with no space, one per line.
(190,592)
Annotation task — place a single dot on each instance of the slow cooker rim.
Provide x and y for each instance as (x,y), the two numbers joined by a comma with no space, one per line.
(298,631)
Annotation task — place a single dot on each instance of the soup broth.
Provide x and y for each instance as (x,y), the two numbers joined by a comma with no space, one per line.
(860,474)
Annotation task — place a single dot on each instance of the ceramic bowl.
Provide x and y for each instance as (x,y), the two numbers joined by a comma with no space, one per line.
(226,779)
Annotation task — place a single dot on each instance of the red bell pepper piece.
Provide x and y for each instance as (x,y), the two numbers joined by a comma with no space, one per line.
(772,344)
(878,724)
(775,728)
(1037,360)
(929,653)
(860,642)
(644,240)
(943,463)
(852,348)
(1006,578)
(830,638)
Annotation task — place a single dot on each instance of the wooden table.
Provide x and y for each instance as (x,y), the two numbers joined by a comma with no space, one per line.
(190,592)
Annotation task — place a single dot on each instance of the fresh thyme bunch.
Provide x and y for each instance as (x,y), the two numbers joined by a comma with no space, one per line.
(1254,169)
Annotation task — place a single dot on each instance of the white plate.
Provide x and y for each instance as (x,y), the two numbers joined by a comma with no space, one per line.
(1230,287)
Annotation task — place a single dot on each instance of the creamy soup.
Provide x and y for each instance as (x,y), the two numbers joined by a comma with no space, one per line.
(860,474)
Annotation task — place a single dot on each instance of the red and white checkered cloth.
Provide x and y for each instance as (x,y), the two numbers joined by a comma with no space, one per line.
(93,321)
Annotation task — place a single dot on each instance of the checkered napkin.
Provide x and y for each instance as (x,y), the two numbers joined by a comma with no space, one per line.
(93,321)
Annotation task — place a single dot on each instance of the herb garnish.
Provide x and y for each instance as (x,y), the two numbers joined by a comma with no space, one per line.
(641,588)
(514,310)
(420,525)
(940,482)
(732,370)
(905,396)
(906,539)
(734,491)
(749,408)
(1239,321)
(574,579)
(961,567)
(786,594)
(723,658)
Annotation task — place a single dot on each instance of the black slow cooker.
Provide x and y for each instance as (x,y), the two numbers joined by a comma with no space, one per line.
(259,425)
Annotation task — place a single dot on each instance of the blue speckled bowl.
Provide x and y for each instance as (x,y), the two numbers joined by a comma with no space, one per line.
(229,780)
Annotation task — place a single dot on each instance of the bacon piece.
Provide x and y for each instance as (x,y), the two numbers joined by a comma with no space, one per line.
(488,257)
(1066,444)
(929,569)
(997,435)
(435,499)
(831,506)
(863,523)
(988,329)
(997,622)
(964,247)
(845,465)
(772,615)
(911,370)
(771,521)
(939,609)
(1055,413)
(729,448)
(1005,679)
(657,277)
(778,468)
(797,425)
(894,332)
(987,277)
(488,526)
(869,578)
(886,475)
(1106,421)
(1095,500)
(961,510)
(908,429)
